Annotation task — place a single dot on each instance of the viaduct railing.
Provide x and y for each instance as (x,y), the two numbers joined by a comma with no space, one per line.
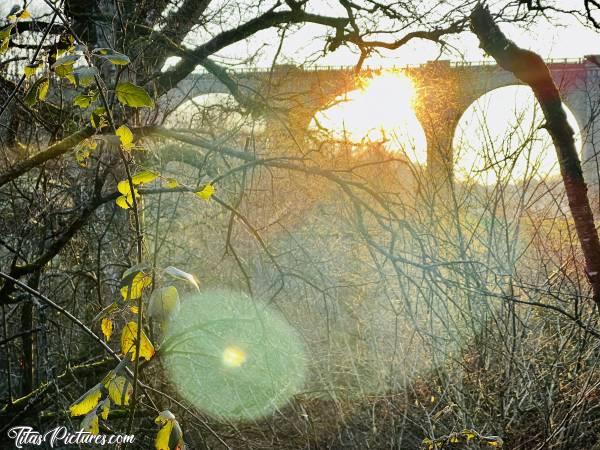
(452,64)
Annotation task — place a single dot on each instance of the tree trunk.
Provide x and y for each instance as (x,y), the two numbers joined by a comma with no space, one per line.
(531,69)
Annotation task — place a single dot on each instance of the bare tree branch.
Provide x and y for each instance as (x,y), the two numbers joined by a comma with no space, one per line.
(531,69)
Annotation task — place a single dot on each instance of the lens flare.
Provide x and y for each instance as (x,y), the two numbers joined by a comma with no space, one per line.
(232,357)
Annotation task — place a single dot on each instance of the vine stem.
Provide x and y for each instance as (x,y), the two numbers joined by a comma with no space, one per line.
(135,211)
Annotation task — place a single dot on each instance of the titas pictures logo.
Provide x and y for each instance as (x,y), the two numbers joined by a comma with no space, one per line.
(27,436)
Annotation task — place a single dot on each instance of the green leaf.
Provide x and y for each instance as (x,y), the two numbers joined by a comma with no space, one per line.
(5,32)
(163,303)
(37,92)
(98,118)
(144,177)
(114,57)
(5,38)
(131,95)
(90,423)
(65,71)
(83,150)
(85,75)
(83,101)
(66,60)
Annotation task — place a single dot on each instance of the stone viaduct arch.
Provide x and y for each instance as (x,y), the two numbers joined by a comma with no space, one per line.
(444,91)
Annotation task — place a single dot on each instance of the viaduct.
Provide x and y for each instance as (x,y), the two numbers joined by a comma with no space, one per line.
(444,91)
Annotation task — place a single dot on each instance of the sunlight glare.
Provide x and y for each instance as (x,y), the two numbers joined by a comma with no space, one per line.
(380,111)
(499,137)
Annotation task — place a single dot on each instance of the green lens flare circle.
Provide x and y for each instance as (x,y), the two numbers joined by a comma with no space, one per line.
(233,358)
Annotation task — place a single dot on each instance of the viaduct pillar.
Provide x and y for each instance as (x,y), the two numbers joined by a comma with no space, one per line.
(438,107)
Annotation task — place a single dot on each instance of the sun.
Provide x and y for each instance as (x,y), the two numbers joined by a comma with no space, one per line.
(380,111)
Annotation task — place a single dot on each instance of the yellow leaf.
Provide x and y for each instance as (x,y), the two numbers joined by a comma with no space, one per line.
(31,69)
(144,177)
(206,193)
(124,202)
(66,71)
(107,328)
(128,342)
(126,137)
(171,183)
(169,434)
(119,389)
(469,434)
(133,290)
(104,408)
(83,101)
(4,45)
(86,402)
(43,90)
(123,187)
(163,436)
(90,423)
(134,309)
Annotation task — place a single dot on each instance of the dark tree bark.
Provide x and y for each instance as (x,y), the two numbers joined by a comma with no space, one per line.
(531,69)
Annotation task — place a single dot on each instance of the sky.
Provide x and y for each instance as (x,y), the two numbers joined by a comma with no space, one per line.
(569,39)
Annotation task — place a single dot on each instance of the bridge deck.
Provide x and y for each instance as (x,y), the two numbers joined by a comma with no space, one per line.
(562,62)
